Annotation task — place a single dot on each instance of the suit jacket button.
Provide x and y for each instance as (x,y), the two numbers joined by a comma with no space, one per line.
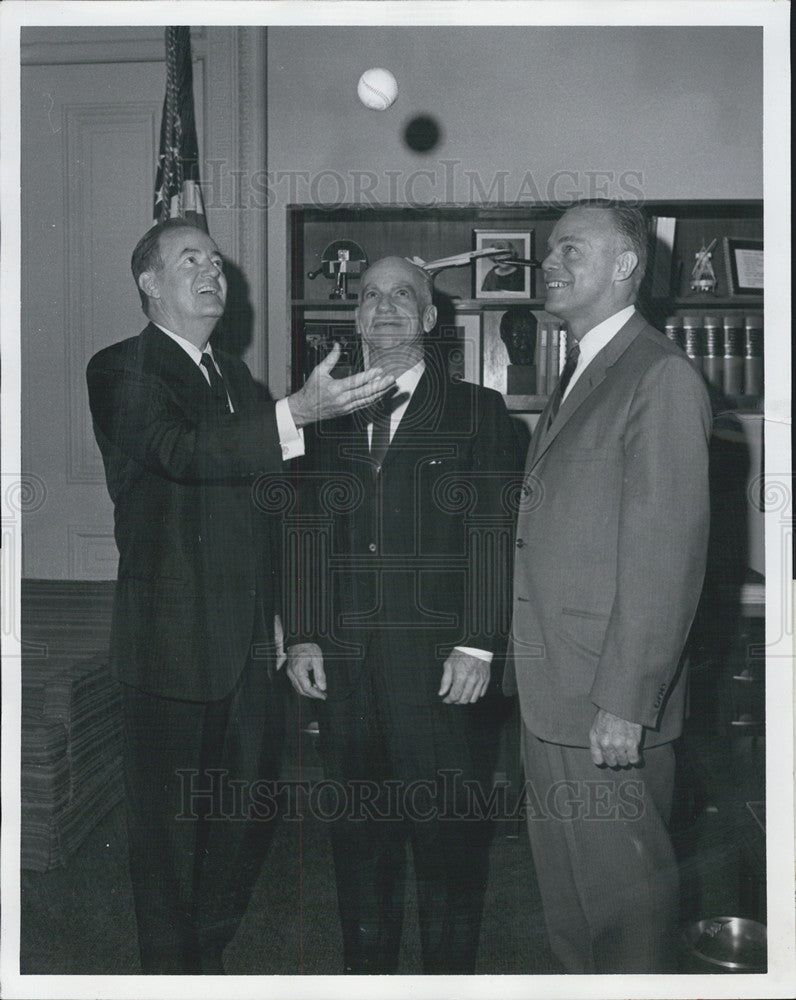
(372,547)
(525,491)
(520,543)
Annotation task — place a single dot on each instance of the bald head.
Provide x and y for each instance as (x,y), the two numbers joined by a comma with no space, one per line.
(395,312)
(400,265)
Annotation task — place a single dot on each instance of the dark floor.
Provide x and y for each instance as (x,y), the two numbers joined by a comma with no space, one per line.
(79,919)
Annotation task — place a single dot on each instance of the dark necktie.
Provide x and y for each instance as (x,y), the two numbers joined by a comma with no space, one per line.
(381,413)
(566,377)
(216,384)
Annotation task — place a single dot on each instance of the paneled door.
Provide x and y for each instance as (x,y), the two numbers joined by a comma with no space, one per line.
(89,138)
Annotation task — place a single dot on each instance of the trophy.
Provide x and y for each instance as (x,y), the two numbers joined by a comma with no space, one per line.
(703,277)
(340,261)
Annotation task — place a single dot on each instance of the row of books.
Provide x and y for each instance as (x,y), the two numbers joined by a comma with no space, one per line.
(552,344)
(728,350)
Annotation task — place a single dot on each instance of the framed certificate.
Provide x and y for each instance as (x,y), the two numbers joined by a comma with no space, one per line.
(744,262)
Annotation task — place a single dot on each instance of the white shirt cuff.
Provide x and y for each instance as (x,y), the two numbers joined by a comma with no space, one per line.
(291,438)
(480,654)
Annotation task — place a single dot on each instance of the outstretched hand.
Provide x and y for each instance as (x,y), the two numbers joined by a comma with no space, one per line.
(323,397)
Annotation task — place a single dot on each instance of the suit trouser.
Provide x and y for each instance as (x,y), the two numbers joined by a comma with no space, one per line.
(400,770)
(195,850)
(604,860)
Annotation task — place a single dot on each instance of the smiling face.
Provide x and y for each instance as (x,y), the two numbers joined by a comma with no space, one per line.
(586,273)
(188,293)
(394,313)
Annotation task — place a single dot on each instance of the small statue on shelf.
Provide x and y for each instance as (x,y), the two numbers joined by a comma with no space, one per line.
(703,277)
(518,333)
(341,261)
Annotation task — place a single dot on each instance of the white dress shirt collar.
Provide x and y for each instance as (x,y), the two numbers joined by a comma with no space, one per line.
(190,349)
(291,438)
(595,340)
(407,381)
(195,355)
(405,384)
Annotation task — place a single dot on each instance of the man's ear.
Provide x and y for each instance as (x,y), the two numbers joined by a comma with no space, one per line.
(626,264)
(148,284)
(429,318)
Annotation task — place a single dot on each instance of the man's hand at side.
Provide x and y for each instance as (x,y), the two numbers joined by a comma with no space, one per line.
(305,669)
(464,678)
(614,741)
(323,397)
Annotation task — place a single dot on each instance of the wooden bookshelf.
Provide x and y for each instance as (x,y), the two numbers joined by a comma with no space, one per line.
(441,230)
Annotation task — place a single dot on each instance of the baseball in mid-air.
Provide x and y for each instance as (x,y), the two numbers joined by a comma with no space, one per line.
(377,89)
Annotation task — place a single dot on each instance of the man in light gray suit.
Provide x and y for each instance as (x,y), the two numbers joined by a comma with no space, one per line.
(610,558)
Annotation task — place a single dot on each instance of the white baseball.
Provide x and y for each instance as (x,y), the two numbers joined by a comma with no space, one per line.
(377,89)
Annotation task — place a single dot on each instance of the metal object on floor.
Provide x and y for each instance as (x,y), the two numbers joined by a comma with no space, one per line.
(726,944)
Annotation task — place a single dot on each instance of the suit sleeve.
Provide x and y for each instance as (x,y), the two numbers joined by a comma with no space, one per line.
(305,585)
(662,546)
(497,461)
(138,413)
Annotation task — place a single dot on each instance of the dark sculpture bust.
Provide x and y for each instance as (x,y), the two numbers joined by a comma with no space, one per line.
(518,333)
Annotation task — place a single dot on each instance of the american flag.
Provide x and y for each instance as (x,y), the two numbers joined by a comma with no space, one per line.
(177,186)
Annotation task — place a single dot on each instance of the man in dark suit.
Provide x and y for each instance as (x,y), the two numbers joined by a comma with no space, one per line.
(183,432)
(611,544)
(395,631)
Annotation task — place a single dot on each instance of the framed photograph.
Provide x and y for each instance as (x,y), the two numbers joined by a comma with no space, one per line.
(744,262)
(501,278)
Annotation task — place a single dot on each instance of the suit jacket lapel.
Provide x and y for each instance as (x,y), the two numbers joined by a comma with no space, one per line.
(359,422)
(231,382)
(350,441)
(417,416)
(586,384)
(173,364)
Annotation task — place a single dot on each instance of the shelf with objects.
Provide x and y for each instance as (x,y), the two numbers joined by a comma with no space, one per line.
(703,288)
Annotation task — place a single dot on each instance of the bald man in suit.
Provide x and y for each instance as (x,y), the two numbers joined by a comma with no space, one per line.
(404,632)
(609,563)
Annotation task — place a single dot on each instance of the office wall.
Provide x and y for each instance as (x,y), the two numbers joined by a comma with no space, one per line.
(91,109)
(524,113)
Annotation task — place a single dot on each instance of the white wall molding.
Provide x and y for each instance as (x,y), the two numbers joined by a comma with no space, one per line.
(94,134)
(81,45)
(92,554)
(234,144)
(252,235)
